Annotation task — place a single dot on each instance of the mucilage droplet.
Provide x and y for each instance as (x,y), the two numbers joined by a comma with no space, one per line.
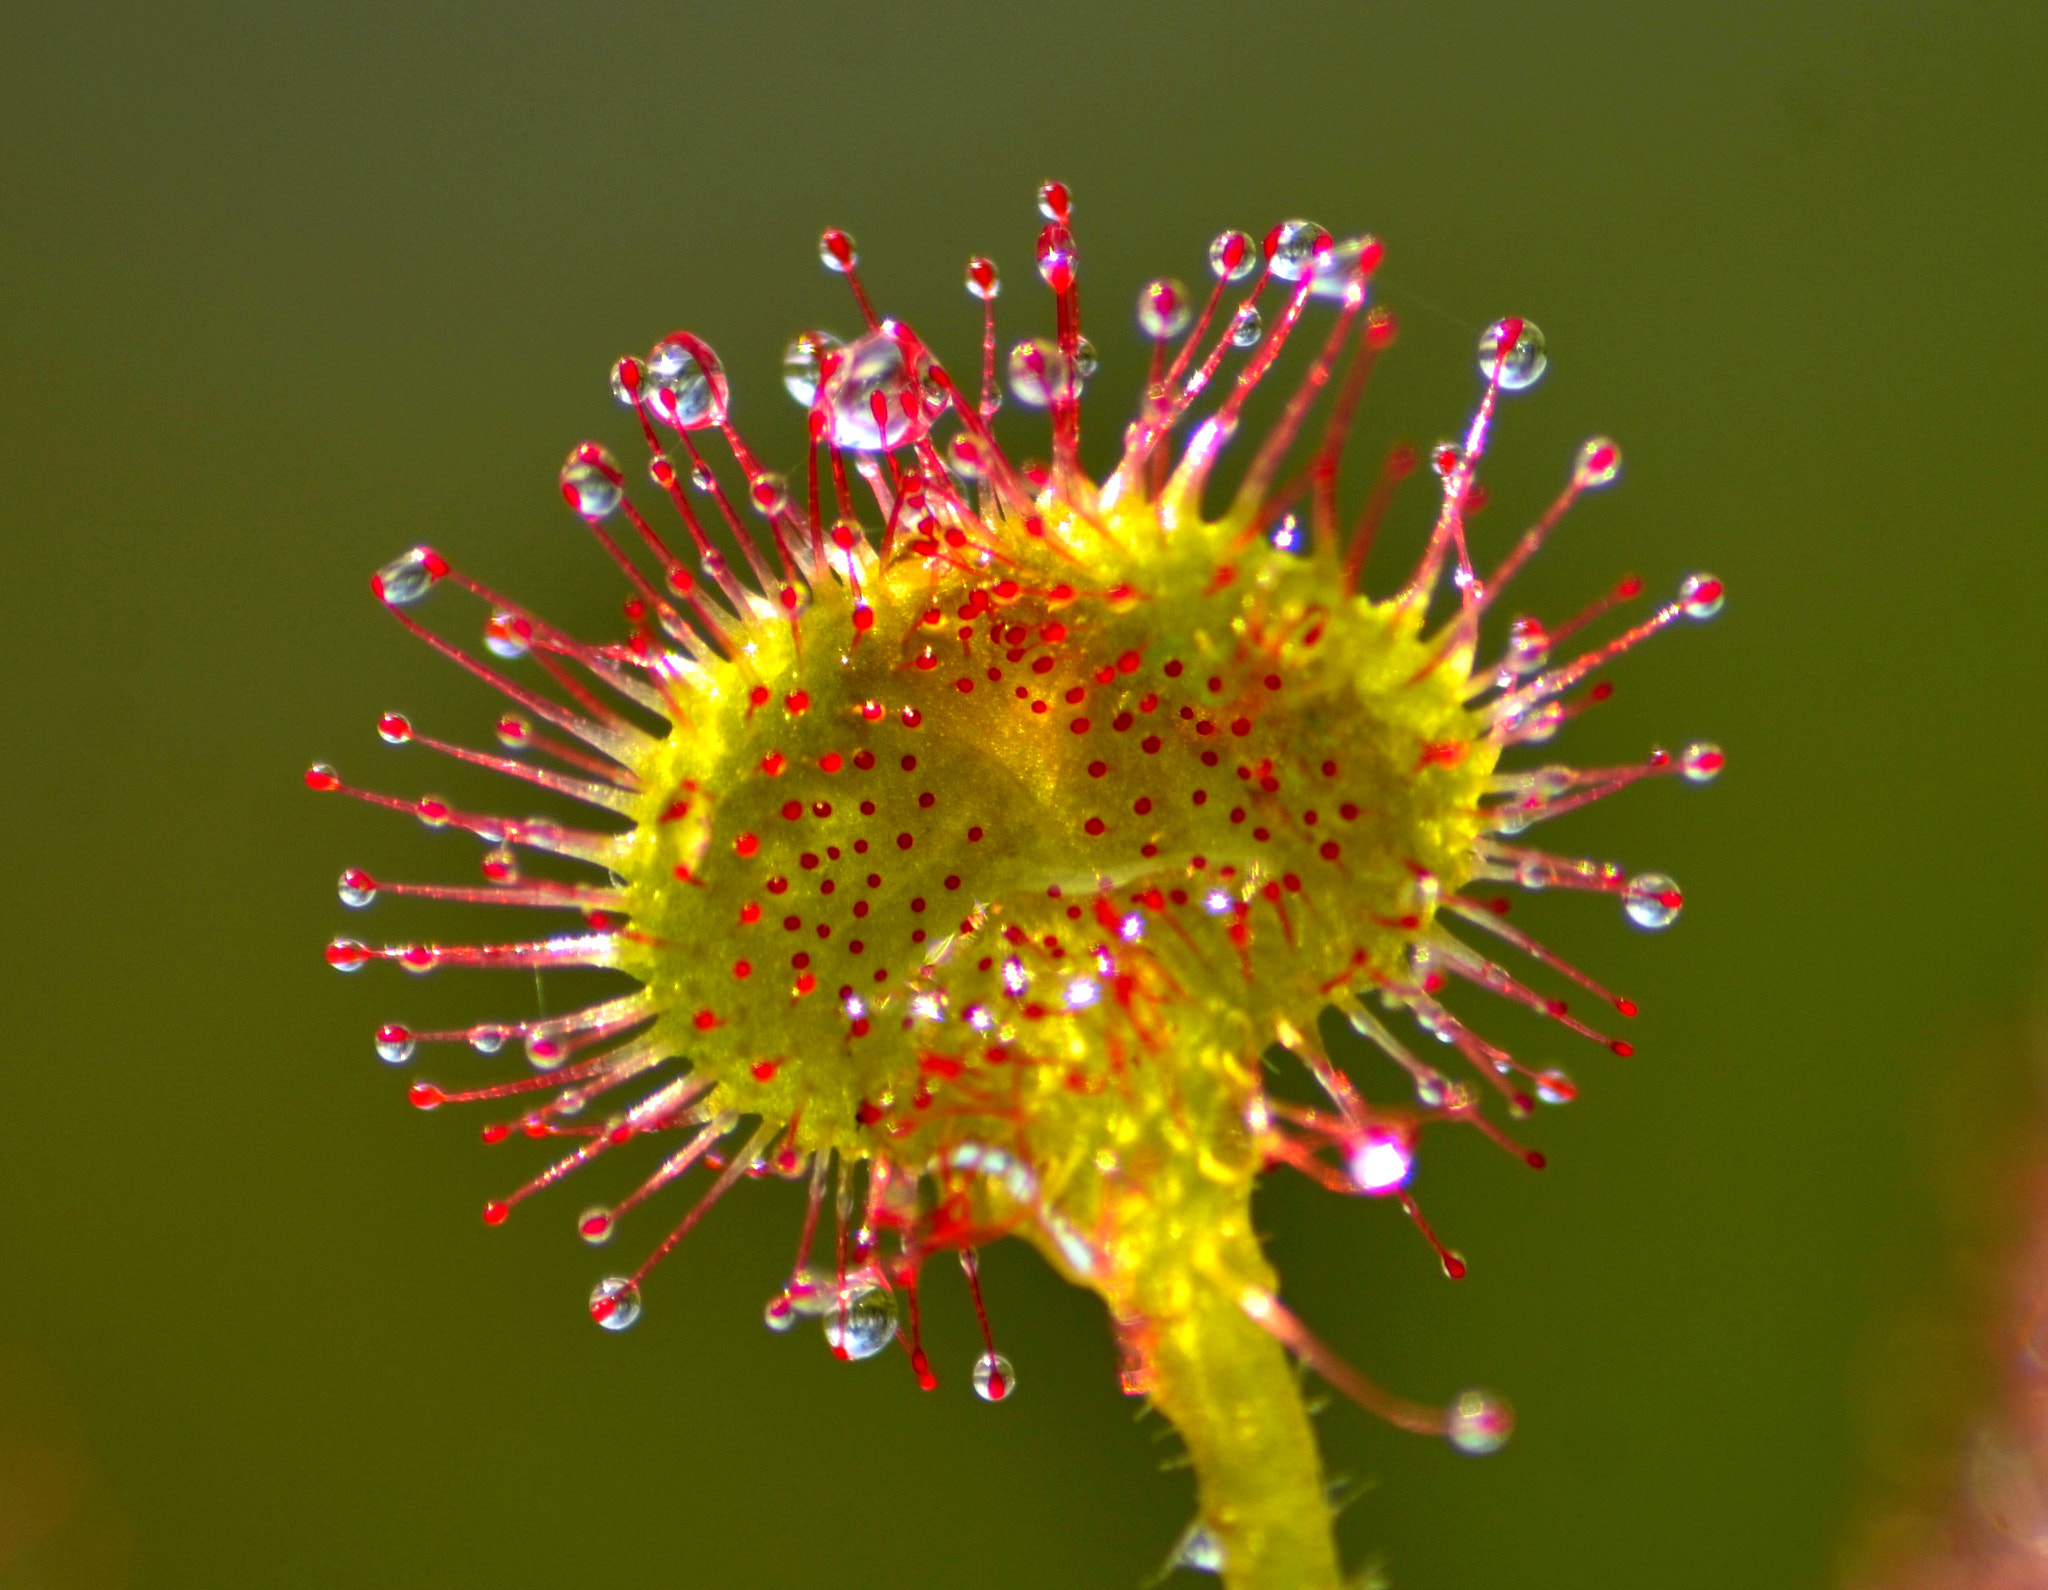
(994,1379)
(861,1320)
(615,1303)
(1514,347)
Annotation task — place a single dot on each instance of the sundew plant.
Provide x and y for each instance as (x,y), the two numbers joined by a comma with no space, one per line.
(974,832)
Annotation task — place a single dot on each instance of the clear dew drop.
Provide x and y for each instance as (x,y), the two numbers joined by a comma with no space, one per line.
(1538,725)
(1246,327)
(357,889)
(615,1303)
(769,493)
(1509,818)
(702,479)
(1478,1422)
(1085,360)
(501,864)
(779,1314)
(1056,257)
(686,385)
(1335,267)
(394,1044)
(591,481)
(1554,1087)
(1198,1550)
(1701,596)
(1701,762)
(984,281)
(627,374)
(404,580)
(966,457)
(1233,256)
(1521,362)
(487,1039)
(803,364)
(1430,1089)
(507,635)
(994,1378)
(1163,308)
(1652,901)
(1295,247)
(807,1294)
(1055,202)
(1528,647)
(595,1225)
(837,251)
(878,366)
(861,1320)
(1037,372)
(1548,783)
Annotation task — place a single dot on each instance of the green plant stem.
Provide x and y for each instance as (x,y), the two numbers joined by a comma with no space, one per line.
(1230,1390)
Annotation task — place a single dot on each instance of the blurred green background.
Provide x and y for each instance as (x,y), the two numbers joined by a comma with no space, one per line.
(288,289)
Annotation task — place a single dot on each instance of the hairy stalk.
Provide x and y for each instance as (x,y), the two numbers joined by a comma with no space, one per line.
(1236,1400)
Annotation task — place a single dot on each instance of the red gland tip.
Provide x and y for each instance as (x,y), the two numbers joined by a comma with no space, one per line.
(424,1096)
(1622,1047)
(407,579)
(495,1213)
(322,777)
(837,251)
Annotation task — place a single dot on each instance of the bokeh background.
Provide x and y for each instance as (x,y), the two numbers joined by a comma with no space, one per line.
(287,289)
